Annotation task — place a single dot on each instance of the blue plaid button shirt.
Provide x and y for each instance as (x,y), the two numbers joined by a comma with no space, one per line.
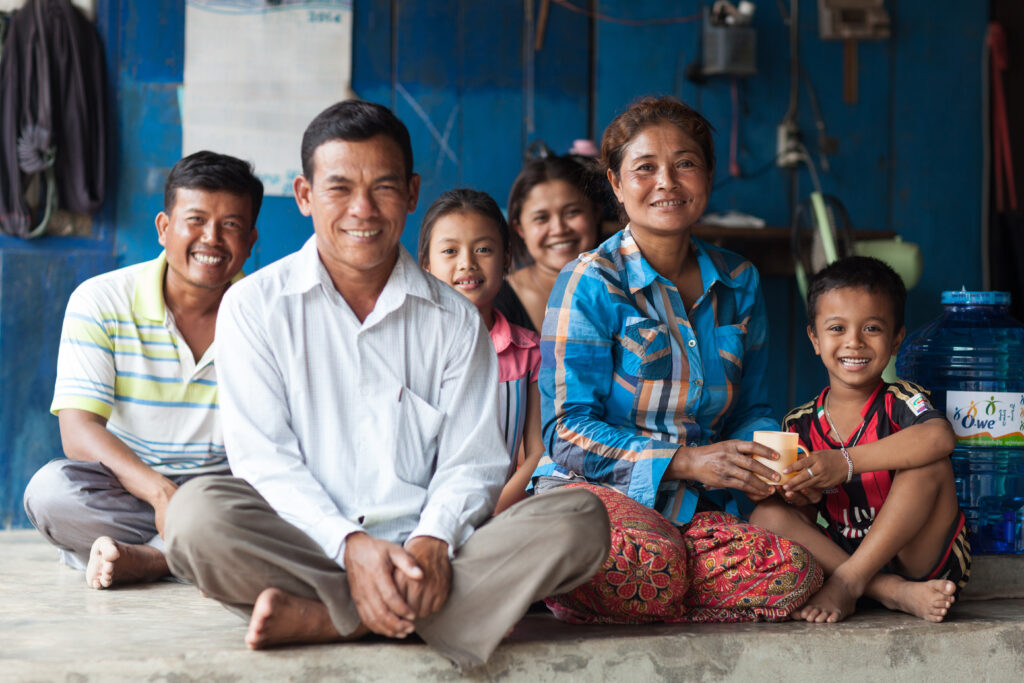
(627,375)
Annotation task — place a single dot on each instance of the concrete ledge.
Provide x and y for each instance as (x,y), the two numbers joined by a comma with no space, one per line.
(54,628)
(996,576)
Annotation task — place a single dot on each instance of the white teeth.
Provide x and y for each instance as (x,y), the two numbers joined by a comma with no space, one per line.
(468,282)
(854,361)
(670,203)
(207,259)
(561,245)
(363,233)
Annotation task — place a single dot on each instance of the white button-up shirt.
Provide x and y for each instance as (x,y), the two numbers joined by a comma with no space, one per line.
(388,426)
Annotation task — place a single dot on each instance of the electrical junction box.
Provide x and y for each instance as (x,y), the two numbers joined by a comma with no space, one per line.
(729,49)
(853,20)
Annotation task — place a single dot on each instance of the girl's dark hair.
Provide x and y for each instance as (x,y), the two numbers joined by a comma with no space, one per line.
(538,171)
(462,200)
(858,271)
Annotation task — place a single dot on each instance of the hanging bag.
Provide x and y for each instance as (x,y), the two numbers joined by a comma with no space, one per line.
(52,117)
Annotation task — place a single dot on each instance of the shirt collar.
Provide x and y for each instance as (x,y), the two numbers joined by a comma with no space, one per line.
(406,279)
(504,334)
(309,271)
(640,273)
(148,300)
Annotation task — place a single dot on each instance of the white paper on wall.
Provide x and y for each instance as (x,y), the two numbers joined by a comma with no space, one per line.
(257,72)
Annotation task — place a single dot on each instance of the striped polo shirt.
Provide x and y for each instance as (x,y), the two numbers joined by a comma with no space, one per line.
(122,358)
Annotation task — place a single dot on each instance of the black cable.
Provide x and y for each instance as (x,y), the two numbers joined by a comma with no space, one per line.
(746,176)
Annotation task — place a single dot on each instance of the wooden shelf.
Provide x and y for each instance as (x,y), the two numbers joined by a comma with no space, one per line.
(767,248)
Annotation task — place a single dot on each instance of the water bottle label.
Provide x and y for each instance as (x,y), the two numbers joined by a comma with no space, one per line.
(986,418)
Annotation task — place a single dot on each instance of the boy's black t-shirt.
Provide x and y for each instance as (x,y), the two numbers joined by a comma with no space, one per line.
(852,507)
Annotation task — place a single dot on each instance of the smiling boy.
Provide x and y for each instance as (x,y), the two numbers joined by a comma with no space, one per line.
(879,461)
(136,391)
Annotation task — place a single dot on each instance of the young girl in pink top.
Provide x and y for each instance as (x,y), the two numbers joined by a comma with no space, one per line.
(464,242)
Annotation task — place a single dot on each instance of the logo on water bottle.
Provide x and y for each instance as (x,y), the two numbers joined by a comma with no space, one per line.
(986,418)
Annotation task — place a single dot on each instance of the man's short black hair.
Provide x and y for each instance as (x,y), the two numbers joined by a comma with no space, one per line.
(354,121)
(214,172)
(858,271)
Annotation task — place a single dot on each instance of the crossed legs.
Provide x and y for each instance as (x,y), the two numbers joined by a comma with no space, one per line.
(910,531)
(97,525)
(225,538)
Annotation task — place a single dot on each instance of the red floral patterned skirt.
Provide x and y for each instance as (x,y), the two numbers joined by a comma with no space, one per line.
(714,569)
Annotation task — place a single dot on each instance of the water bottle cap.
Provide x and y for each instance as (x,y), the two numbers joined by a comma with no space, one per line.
(963,297)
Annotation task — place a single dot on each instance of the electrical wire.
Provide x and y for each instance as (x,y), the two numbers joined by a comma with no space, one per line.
(819,120)
(734,130)
(794,62)
(986,161)
(760,171)
(805,156)
(625,22)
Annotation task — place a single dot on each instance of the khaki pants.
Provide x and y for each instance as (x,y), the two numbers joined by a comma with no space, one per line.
(224,537)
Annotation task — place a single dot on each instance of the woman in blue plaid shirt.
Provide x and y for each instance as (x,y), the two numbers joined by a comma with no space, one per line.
(654,354)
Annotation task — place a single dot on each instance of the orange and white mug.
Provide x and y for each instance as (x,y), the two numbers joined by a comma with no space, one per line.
(787,445)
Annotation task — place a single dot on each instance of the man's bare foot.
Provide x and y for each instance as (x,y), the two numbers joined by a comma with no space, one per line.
(929,600)
(112,563)
(836,600)
(279,618)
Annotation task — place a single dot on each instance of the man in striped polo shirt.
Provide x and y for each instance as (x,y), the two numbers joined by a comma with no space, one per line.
(136,391)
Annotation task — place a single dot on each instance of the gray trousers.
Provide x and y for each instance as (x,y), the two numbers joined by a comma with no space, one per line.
(226,539)
(72,503)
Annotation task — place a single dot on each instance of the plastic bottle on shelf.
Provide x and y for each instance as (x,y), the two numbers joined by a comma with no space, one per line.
(972,360)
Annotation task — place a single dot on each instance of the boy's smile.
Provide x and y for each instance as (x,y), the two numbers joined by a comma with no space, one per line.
(854,333)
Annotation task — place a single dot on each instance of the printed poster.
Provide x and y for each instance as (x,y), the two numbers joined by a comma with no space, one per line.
(257,72)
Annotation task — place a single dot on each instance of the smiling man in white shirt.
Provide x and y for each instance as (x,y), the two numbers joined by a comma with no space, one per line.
(359,402)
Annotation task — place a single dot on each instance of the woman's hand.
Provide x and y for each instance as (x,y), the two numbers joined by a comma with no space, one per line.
(726,464)
(819,470)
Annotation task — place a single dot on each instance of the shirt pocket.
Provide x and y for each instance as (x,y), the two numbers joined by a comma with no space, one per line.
(731,341)
(417,425)
(646,349)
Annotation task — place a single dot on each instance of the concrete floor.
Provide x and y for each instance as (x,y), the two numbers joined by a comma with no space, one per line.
(53,628)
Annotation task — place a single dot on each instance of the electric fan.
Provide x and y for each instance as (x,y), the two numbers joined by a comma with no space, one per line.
(822,233)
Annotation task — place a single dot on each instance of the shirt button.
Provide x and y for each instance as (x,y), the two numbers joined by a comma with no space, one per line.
(691,343)
(700,383)
(693,444)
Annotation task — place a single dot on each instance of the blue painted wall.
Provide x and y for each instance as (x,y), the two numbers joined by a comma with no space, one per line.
(464,74)
(465,79)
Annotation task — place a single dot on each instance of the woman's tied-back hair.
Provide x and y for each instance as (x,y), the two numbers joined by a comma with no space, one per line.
(354,121)
(651,111)
(539,171)
(858,271)
(461,200)
(213,172)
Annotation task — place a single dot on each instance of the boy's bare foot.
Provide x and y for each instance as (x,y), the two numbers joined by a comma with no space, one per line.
(836,600)
(929,600)
(279,618)
(112,563)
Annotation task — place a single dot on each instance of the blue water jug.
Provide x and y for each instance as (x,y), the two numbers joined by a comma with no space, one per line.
(972,360)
